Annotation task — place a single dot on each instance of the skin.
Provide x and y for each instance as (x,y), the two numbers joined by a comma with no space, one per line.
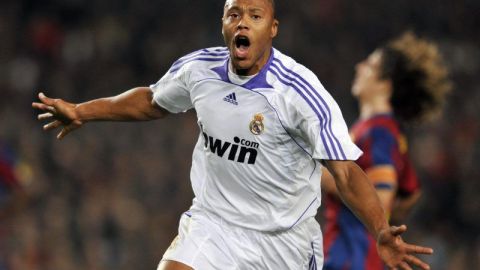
(253,19)
(373,94)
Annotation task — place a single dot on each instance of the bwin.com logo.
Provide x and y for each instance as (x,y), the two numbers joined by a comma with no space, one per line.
(220,148)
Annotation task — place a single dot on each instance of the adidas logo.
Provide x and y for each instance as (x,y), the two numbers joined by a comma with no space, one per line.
(232,98)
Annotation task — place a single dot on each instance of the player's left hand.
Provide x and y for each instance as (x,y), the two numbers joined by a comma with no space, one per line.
(396,253)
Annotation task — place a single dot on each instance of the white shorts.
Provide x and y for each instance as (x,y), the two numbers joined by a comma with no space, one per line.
(206,242)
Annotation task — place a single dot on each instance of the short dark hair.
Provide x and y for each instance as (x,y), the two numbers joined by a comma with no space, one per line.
(419,77)
(272,2)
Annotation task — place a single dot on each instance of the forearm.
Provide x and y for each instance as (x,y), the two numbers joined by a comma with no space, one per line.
(357,192)
(328,183)
(133,105)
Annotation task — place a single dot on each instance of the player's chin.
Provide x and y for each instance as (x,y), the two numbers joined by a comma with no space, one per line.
(242,63)
(355,90)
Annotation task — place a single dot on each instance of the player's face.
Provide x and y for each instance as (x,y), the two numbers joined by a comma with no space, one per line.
(248,30)
(368,82)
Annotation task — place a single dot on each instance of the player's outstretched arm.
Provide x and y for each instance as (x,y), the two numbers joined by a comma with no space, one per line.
(133,105)
(358,193)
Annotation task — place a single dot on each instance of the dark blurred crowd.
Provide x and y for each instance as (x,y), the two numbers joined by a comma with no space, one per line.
(109,195)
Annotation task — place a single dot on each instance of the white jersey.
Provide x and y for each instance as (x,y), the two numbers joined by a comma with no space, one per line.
(256,162)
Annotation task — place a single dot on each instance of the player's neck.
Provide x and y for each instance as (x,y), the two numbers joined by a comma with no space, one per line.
(374,107)
(256,67)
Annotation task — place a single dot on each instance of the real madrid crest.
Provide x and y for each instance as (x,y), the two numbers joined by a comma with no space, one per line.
(256,125)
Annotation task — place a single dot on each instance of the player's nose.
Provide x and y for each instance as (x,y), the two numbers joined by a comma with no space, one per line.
(242,24)
(359,65)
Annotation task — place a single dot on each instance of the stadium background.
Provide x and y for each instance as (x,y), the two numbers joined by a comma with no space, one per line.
(109,196)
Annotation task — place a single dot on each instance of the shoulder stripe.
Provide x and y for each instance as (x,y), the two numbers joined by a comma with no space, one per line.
(289,83)
(208,50)
(327,124)
(320,98)
(200,57)
(180,62)
(201,52)
(326,119)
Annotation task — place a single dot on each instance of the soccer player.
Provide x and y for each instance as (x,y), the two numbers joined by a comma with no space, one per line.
(266,127)
(402,82)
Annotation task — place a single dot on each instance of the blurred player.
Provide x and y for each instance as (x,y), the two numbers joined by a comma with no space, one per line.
(402,82)
(12,198)
(266,124)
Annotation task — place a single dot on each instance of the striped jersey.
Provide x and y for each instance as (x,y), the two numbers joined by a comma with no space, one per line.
(256,161)
(348,244)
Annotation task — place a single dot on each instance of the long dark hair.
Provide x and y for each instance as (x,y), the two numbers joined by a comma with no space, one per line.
(419,77)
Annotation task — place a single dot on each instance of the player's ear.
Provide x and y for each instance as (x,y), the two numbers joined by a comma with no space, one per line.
(222,21)
(274,29)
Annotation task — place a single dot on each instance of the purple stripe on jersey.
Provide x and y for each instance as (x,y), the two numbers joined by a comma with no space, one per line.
(309,103)
(185,59)
(197,54)
(314,257)
(322,122)
(303,213)
(190,54)
(216,59)
(312,265)
(222,72)
(321,100)
(384,186)
(224,49)
(260,81)
(286,130)
(328,128)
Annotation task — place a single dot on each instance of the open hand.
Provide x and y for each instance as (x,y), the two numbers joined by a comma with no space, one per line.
(60,114)
(396,253)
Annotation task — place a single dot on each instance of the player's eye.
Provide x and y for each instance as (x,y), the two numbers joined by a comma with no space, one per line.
(234,15)
(256,17)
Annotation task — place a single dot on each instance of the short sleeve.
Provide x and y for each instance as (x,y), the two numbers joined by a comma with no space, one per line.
(323,125)
(383,147)
(172,93)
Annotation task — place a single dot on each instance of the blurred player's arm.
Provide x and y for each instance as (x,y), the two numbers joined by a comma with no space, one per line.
(402,206)
(408,194)
(359,194)
(382,177)
(133,105)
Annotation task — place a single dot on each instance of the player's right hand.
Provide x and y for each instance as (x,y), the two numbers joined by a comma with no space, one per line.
(60,114)
(396,253)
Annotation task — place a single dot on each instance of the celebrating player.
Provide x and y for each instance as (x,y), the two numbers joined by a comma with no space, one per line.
(266,126)
(402,82)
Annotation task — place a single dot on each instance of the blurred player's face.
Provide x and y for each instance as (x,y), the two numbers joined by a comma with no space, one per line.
(248,29)
(368,83)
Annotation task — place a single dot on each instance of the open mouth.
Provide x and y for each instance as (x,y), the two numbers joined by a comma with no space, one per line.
(242,44)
